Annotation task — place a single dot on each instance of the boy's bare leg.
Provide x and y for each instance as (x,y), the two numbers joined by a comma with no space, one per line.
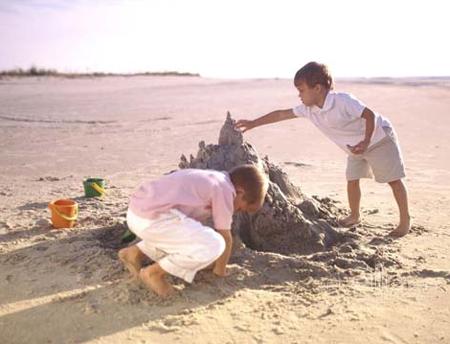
(132,258)
(354,200)
(154,277)
(401,197)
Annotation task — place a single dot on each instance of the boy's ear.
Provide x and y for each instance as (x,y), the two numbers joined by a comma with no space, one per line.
(240,190)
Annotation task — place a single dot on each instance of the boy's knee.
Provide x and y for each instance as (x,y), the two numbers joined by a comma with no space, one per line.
(214,250)
(218,247)
(395,183)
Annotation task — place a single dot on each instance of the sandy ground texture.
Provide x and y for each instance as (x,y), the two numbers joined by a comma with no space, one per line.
(67,286)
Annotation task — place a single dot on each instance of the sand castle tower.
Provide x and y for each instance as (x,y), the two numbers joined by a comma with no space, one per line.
(289,221)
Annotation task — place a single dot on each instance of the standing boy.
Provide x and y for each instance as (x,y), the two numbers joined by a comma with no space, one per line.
(169,214)
(367,137)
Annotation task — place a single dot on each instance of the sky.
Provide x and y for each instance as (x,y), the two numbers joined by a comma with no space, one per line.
(228,39)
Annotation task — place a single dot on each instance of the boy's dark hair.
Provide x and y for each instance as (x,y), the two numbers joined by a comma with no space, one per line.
(314,73)
(252,180)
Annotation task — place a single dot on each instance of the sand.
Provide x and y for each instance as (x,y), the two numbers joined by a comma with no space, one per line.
(67,286)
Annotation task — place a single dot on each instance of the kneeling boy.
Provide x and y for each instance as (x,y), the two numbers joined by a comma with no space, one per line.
(168,215)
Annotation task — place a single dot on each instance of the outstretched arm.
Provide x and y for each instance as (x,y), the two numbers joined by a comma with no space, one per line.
(272,117)
(220,268)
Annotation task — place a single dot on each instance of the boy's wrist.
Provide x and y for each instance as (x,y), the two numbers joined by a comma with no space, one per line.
(220,269)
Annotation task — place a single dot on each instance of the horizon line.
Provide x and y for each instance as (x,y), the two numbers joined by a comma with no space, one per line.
(34,71)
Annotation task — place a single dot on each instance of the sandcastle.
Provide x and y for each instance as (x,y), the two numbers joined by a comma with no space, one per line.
(289,221)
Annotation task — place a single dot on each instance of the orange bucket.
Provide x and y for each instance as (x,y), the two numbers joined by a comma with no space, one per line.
(64,213)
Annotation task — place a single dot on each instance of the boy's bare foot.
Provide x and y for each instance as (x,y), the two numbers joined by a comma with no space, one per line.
(349,221)
(401,230)
(131,257)
(154,278)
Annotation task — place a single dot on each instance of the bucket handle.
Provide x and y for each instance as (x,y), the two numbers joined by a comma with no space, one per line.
(64,216)
(98,188)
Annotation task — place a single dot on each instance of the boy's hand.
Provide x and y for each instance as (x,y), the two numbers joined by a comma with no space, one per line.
(220,271)
(244,125)
(359,148)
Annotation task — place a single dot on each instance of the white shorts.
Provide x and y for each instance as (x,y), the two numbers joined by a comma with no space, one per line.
(383,160)
(181,245)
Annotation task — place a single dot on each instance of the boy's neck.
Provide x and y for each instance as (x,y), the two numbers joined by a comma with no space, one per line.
(321,98)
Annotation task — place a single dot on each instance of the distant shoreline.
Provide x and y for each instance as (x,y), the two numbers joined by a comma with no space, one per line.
(34,72)
(417,81)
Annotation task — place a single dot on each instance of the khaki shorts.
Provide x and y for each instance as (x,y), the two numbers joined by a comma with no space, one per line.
(383,160)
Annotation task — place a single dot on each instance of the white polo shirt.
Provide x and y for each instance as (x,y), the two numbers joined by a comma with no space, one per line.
(340,119)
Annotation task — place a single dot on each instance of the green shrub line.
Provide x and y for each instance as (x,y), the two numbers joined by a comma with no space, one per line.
(36,71)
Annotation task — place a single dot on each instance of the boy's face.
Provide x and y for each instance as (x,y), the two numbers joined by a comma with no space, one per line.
(309,95)
(240,204)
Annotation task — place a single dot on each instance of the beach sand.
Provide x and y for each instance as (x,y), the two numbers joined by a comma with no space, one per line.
(67,286)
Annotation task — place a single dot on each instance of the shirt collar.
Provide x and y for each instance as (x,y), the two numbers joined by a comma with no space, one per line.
(327,104)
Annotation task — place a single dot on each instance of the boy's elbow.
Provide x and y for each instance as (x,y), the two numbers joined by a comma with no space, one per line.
(368,114)
(226,234)
(285,114)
